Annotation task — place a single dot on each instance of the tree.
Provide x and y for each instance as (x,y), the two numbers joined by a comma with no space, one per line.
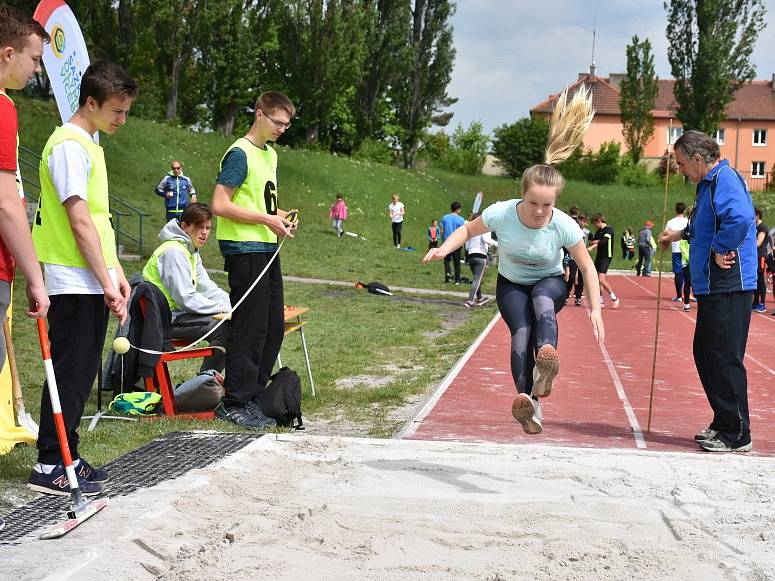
(386,30)
(431,57)
(521,144)
(638,97)
(324,44)
(710,43)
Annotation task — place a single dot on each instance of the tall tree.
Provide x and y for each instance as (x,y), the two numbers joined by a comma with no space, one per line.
(237,57)
(424,91)
(324,46)
(638,95)
(387,28)
(710,43)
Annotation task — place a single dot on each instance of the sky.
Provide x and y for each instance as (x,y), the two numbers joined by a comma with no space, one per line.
(511,54)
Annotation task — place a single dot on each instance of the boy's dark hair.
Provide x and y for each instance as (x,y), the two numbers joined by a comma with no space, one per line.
(16,26)
(274,100)
(455,206)
(598,218)
(758,212)
(680,208)
(574,211)
(104,79)
(196,214)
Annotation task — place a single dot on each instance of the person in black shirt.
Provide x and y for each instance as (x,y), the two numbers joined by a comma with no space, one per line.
(603,241)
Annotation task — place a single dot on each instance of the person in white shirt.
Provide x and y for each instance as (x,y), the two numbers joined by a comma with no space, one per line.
(396,213)
(476,256)
(75,241)
(679,222)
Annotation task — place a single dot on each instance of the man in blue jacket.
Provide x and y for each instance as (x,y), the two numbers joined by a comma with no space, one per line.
(449,223)
(722,262)
(177,190)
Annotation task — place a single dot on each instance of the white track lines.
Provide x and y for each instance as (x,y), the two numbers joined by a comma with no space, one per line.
(694,320)
(411,428)
(637,433)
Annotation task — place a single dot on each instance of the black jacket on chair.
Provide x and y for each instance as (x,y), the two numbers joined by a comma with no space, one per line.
(150,331)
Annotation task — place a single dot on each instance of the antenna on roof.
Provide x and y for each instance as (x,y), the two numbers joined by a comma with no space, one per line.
(592,67)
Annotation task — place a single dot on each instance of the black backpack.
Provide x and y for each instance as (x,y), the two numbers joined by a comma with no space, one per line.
(281,399)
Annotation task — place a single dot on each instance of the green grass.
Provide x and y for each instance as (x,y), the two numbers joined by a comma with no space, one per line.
(351,333)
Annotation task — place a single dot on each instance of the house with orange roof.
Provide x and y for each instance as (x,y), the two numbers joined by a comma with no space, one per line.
(746,135)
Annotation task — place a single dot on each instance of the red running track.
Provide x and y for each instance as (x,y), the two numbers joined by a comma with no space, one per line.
(601,396)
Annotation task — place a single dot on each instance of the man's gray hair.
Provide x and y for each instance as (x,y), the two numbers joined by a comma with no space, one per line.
(696,142)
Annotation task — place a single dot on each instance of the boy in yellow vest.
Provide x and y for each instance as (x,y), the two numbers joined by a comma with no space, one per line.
(74,238)
(176,269)
(249,223)
(21,48)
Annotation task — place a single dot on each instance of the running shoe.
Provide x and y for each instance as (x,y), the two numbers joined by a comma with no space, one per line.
(243,417)
(676,299)
(546,368)
(482,301)
(527,411)
(470,304)
(88,472)
(717,445)
(56,483)
(760,308)
(577,302)
(687,307)
(706,434)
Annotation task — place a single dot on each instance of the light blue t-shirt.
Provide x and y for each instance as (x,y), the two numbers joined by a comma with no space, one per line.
(527,255)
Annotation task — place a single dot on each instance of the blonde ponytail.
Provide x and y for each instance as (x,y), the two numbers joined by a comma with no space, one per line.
(570,121)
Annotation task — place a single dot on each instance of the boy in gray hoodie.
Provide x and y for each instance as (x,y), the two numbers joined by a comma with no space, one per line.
(176,269)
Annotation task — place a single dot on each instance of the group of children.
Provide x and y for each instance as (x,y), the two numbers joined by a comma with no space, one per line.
(73,238)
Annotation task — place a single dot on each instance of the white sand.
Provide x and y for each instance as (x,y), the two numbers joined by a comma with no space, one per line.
(305,507)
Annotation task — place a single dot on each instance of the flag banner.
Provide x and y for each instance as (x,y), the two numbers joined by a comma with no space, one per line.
(66,57)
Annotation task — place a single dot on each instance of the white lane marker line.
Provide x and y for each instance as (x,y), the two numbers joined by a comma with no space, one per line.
(637,433)
(411,428)
(694,320)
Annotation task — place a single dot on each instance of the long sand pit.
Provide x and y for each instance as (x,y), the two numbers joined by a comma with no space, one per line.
(302,507)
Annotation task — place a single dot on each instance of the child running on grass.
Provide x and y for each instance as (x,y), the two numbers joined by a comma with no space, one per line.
(530,290)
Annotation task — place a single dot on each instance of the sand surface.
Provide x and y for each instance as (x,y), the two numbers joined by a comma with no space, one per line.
(314,507)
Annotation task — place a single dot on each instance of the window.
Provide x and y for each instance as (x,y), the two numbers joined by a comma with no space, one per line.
(719,136)
(757,169)
(760,137)
(673,133)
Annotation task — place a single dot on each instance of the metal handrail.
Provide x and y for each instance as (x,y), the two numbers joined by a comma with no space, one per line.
(118,214)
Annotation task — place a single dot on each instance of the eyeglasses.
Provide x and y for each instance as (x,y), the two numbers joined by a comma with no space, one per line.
(275,121)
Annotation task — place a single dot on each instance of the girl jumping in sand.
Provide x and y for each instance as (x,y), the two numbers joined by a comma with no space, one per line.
(530,290)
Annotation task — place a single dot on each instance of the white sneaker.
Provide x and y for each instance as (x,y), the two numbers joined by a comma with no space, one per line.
(527,411)
(545,370)
(615,303)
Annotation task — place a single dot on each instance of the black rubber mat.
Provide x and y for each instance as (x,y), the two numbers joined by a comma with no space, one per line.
(163,459)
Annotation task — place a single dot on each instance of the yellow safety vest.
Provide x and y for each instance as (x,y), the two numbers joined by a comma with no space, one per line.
(52,234)
(151,270)
(258,193)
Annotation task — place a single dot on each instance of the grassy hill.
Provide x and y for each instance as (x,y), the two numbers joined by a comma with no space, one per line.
(139,155)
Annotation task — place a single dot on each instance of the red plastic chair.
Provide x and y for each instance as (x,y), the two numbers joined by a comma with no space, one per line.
(160,381)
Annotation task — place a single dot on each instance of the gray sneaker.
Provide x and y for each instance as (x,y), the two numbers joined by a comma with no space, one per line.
(706,434)
(255,411)
(717,445)
(241,416)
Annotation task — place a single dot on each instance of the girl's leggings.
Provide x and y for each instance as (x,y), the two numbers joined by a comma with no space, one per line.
(477,262)
(530,313)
